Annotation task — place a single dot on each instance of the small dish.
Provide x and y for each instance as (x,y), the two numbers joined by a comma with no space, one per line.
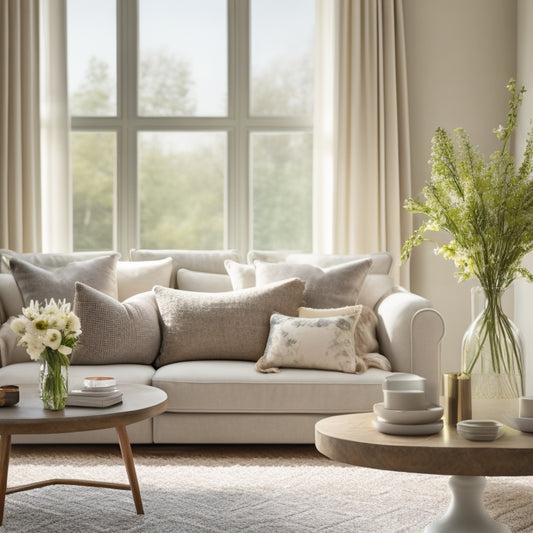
(407,429)
(519,422)
(9,395)
(400,416)
(99,382)
(405,400)
(402,381)
(483,430)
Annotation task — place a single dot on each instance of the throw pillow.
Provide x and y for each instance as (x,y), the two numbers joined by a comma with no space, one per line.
(325,343)
(189,280)
(241,276)
(381,261)
(366,342)
(113,332)
(134,277)
(40,284)
(335,286)
(226,325)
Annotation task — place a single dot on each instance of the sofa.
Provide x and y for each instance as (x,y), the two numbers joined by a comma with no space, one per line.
(195,324)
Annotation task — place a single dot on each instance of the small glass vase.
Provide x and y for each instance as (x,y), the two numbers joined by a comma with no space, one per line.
(492,357)
(53,381)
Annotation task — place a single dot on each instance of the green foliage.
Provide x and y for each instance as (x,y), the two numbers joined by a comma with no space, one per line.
(486,206)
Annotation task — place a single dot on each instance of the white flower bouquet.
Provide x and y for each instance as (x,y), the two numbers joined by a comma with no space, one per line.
(49,333)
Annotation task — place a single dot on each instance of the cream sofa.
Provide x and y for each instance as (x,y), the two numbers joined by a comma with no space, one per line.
(228,401)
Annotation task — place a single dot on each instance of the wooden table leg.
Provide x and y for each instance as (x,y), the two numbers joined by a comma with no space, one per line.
(5,449)
(127,456)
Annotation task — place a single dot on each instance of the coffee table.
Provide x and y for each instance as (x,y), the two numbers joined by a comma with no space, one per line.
(28,417)
(353,440)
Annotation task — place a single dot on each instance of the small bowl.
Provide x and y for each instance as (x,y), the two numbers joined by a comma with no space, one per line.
(404,400)
(485,430)
(525,407)
(99,382)
(9,395)
(402,381)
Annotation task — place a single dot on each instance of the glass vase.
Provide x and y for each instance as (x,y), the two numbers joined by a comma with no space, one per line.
(53,382)
(492,357)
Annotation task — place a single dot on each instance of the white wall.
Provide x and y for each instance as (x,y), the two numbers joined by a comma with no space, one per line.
(460,55)
(524,291)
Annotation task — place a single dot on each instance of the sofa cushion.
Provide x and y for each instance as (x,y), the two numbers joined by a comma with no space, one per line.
(141,276)
(381,261)
(324,342)
(115,332)
(235,387)
(10,294)
(43,283)
(335,286)
(267,256)
(241,276)
(10,351)
(227,325)
(189,280)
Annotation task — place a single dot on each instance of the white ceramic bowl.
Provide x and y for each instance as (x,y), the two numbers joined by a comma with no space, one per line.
(405,400)
(480,429)
(525,407)
(402,381)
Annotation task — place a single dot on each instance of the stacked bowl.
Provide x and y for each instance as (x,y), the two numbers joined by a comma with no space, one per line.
(480,429)
(405,410)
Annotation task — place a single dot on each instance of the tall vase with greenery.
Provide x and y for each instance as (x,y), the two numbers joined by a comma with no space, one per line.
(486,206)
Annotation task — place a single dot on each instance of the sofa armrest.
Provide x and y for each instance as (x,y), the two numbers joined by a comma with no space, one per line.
(409,335)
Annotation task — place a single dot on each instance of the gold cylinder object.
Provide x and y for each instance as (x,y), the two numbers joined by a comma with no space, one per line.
(464,398)
(450,397)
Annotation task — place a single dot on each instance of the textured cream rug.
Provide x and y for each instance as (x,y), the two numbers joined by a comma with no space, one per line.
(236,489)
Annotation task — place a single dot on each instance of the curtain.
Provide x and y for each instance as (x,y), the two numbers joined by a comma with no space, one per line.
(361,143)
(55,125)
(20,191)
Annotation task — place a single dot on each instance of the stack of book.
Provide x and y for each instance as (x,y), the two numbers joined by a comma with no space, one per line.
(96,392)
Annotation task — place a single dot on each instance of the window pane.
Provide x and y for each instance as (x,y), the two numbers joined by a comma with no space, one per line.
(282,191)
(92,65)
(281,57)
(182,179)
(183,58)
(94,164)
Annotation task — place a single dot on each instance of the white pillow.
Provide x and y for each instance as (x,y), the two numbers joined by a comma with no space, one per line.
(189,280)
(134,277)
(241,276)
(325,343)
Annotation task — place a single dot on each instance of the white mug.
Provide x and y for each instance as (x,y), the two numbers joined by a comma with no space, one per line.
(525,407)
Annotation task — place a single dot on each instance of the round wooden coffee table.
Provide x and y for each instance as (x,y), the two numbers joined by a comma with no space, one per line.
(28,417)
(352,439)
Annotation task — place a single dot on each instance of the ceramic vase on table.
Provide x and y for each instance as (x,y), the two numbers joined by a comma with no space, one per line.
(492,357)
(53,381)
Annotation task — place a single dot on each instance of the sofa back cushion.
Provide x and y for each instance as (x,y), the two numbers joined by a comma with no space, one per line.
(115,332)
(226,325)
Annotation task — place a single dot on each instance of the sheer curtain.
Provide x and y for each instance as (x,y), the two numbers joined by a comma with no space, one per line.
(361,129)
(20,190)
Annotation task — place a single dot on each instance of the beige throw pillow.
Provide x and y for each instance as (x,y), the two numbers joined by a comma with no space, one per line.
(189,280)
(227,325)
(241,276)
(325,343)
(134,277)
(114,332)
(335,286)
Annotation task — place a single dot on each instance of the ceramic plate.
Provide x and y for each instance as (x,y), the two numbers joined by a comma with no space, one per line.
(397,416)
(407,429)
(520,423)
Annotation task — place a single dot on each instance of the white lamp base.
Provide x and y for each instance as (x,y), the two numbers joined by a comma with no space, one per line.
(466,513)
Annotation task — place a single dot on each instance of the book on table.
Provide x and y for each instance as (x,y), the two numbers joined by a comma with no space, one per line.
(93,398)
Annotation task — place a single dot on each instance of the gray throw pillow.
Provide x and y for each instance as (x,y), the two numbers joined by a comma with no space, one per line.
(226,325)
(335,286)
(114,332)
(43,283)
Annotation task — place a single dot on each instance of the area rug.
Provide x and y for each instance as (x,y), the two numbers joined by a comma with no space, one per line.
(200,489)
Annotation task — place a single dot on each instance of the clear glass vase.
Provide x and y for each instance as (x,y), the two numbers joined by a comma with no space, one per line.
(53,382)
(492,353)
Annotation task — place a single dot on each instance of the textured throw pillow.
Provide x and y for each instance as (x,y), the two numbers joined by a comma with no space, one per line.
(335,286)
(325,343)
(241,276)
(381,261)
(113,332)
(40,284)
(227,325)
(366,342)
(188,280)
(134,277)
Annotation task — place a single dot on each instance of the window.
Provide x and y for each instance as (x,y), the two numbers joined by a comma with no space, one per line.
(191,123)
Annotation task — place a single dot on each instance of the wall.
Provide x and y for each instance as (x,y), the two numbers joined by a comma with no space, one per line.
(524,291)
(460,55)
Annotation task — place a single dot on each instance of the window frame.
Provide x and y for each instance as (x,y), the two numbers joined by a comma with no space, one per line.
(238,125)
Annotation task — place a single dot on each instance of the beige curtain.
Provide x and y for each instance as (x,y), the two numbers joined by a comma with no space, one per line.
(361,129)
(20,192)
